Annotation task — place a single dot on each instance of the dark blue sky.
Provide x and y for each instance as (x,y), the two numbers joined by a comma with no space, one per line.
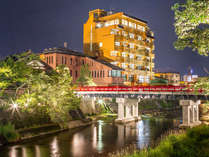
(39,24)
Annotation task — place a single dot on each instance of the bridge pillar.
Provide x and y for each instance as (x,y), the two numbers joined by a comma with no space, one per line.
(87,105)
(190,113)
(127,110)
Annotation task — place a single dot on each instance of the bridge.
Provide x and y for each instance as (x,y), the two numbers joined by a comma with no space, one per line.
(129,97)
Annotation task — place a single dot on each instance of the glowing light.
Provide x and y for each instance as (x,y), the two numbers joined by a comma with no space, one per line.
(100,101)
(14,107)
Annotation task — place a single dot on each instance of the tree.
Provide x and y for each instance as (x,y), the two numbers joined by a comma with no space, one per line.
(14,70)
(48,93)
(192,25)
(51,93)
(85,76)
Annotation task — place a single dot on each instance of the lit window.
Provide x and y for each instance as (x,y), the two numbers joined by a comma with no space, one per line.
(98,25)
(132,66)
(131,35)
(125,44)
(131,24)
(123,65)
(131,45)
(124,34)
(147,79)
(114,31)
(117,43)
(108,23)
(113,53)
(124,54)
(117,22)
(100,44)
(134,25)
(141,28)
(131,56)
(148,49)
(124,22)
(139,37)
(141,78)
(112,22)
(138,57)
(114,63)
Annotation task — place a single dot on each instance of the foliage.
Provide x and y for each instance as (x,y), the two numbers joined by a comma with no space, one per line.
(85,77)
(38,93)
(192,25)
(8,132)
(14,69)
(203,84)
(52,93)
(193,143)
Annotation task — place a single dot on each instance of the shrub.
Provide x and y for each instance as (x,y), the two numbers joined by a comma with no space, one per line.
(8,132)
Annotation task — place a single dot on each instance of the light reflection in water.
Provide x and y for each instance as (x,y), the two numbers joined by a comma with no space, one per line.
(78,145)
(96,139)
(100,142)
(143,134)
(13,152)
(38,152)
(94,143)
(55,147)
(24,151)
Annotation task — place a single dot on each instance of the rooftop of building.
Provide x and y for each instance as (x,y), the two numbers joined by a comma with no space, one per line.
(110,13)
(67,51)
(168,72)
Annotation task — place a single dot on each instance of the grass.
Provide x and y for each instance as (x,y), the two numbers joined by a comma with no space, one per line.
(193,143)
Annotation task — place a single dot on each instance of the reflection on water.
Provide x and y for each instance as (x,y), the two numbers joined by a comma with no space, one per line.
(96,139)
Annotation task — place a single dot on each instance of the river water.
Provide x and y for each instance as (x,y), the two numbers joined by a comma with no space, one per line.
(95,140)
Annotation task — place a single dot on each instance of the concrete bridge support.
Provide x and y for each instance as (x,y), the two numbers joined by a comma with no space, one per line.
(127,110)
(88,105)
(190,113)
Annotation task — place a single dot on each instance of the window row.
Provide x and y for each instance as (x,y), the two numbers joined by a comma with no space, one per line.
(126,44)
(50,60)
(126,34)
(133,25)
(123,22)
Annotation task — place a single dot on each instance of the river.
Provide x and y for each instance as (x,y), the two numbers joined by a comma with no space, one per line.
(94,140)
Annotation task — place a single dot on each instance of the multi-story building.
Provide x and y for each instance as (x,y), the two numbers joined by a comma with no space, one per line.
(172,77)
(103,73)
(122,40)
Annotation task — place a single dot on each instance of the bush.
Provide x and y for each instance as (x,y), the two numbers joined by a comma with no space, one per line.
(193,143)
(8,133)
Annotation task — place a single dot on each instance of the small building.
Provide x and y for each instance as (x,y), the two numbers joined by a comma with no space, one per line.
(172,77)
(190,78)
(103,73)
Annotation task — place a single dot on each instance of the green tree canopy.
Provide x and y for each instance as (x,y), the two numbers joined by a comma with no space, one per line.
(50,93)
(14,70)
(192,25)
(85,77)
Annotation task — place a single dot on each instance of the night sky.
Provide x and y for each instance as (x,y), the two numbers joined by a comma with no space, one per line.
(40,24)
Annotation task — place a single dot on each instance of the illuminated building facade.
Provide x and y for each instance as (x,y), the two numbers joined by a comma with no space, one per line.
(172,77)
(103,73)
(122,40)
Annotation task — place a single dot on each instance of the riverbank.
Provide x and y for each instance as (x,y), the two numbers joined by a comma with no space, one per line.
(193,142)
(45,130)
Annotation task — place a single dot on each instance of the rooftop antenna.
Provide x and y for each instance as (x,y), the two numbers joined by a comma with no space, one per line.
(65,44)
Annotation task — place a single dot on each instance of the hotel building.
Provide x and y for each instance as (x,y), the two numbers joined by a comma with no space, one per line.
(123,41)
